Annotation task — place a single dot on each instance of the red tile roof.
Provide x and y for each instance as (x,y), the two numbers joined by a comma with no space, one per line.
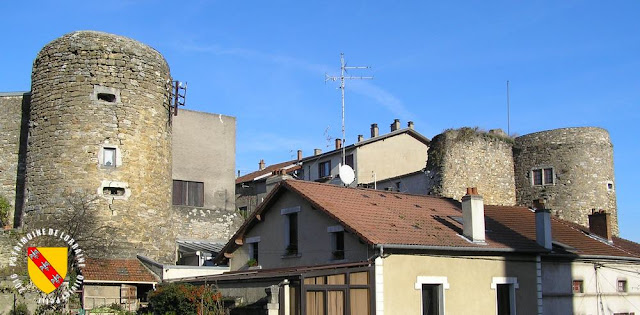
(268,170)
(390,218)
(129,270)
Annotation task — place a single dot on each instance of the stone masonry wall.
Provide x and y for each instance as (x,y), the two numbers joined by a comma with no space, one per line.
(582,163)
(216,225)
(10,119)
(92,91)
(469,158)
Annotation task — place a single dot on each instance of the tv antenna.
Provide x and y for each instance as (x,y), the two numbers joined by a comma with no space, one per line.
(177,96)
(342,78)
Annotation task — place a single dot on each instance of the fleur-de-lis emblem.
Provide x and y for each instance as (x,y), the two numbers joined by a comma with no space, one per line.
(45,266)
(35,254)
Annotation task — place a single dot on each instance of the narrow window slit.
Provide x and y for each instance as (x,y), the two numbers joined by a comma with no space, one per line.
(107,97)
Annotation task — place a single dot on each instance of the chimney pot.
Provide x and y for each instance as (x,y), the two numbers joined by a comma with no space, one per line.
(374,130)
(360,138)
(469,191)
(261,165)
(600,224)
(395,125)
(474,190)
(317,151)
(299,155)
(410,124)
(473,218)
(338,143)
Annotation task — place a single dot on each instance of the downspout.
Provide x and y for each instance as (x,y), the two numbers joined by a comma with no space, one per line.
(379,282)
(539,284)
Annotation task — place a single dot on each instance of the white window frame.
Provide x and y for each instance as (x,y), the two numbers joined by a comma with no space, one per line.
(542,168)
(101,153)
(513,285)
(437,280)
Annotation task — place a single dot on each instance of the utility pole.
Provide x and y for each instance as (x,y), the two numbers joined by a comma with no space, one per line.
(342,78)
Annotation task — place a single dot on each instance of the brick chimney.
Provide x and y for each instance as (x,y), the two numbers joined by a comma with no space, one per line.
(261,165)
(473,216)
(374,130)
(317,151)
(338,144)
(299,155)
(600,224)
(360,138)
(276,177)
(543,224)
(410,125)
(395,125)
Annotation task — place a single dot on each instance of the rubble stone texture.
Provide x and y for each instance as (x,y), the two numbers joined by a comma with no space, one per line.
(71,123)
(582,160)
(10,117)
(468,158)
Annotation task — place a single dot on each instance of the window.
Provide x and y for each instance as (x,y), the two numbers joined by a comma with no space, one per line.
(337,239)
(292,244)
(578,286)
(109,157)
(431,299)
(324,169)
(243,211)
(186,193)
(253,251)
(348,160)
(622,285)
(398,186)
(505,294)
(542,176)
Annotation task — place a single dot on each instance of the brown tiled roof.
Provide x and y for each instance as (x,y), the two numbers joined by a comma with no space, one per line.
(130,270)
(268,170)
(418,221)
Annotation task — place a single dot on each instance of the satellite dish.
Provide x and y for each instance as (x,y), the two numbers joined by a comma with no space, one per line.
(347,176)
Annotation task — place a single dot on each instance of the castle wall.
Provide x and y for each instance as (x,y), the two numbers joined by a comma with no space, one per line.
(10,125)
(583,175)
(468,158)
(94,92)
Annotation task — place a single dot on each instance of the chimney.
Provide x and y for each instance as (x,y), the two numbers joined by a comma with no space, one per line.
(338,144)
(473,216)
(410,125)
(317,151)
(374,130)
(261,165)
(360,138)
(276,177)
(299,155)
(395,125)
(238,173)
(543,224)
(600,224)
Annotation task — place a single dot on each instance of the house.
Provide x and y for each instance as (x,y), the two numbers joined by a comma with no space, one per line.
(322,249)
(123,282)
(401,151)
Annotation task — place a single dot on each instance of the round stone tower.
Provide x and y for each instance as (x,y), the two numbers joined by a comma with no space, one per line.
(571,169)
(468,157)
(99,143)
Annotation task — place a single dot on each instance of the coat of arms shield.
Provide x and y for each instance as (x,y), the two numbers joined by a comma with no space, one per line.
(47,267)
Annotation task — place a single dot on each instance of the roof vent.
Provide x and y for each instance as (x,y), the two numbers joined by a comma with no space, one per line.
(473,216)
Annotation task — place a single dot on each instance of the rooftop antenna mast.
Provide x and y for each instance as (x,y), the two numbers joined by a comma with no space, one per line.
(508,112)
(342,78)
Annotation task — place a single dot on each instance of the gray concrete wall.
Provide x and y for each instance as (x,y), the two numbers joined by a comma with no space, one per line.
(314,242)
(582,160)
(204,150)
(393,156)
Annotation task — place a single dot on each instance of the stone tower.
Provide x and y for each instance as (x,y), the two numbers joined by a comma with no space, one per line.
(468,157)
(571,169)
(100,131)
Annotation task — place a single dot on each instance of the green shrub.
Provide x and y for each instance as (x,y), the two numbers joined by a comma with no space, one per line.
(5,207)
(21,309)
(178,298)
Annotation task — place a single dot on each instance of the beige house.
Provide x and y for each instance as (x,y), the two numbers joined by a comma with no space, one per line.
(333,250)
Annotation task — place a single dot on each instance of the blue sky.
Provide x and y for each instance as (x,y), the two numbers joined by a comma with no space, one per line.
(439,64)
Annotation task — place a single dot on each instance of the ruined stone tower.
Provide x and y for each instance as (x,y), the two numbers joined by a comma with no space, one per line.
(467,157)
(571,169)
(99,131)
